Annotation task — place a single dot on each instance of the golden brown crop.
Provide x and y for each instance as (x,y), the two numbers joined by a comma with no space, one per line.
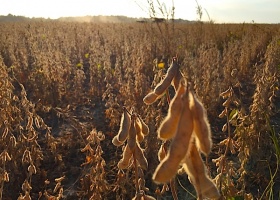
(179,146)
(88,69)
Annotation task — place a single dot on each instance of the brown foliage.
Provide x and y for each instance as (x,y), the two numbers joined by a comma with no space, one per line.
(60,81)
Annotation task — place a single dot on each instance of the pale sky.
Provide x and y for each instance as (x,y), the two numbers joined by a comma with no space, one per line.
(221,11)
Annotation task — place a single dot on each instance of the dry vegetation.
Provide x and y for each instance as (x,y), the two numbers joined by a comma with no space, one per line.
(65,86)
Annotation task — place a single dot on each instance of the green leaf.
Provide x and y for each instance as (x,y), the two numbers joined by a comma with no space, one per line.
(233,114)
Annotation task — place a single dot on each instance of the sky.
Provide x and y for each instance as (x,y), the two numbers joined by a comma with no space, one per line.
(220,11)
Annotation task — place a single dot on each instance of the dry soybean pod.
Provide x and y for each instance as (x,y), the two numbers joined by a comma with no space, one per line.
(116,142)
(201,125)
(150,98)
(179,146)
(124,162)
(124,126)
(131,141)
(145,128)
(226,93)
(195,169)
(171,72)
(190,169)
(169,125)
(139,134)
(140,157)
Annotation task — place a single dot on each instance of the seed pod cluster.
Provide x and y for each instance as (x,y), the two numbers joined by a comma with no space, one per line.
(134,134)
(173,75)
(187,125)
(168,167)
(229,113)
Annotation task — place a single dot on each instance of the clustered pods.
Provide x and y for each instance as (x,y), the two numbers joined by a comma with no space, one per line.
(132,130)
(190,133)
(168,167)
(187,125)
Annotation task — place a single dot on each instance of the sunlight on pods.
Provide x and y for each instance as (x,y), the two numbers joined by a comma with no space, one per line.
(188,128)
(132,131)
